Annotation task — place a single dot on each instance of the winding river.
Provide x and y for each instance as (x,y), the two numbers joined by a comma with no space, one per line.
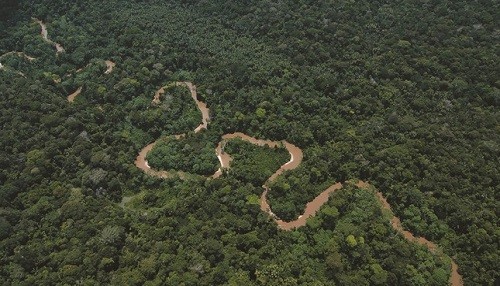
(141,161)
(45,36)
(225,159)
(295,159)
(72,96)
(109,68)
(19,54)
(59,49)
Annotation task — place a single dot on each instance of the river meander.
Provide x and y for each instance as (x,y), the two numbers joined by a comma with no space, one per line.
(296,156)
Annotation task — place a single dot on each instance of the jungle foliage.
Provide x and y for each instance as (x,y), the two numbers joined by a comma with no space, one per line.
(403,94)
(192,154)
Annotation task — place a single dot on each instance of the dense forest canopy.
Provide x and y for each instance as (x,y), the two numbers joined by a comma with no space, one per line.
(403,94)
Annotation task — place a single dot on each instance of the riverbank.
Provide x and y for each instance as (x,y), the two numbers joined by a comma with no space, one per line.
(296,156)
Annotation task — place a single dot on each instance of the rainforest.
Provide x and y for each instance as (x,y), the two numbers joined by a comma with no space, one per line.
(194,142)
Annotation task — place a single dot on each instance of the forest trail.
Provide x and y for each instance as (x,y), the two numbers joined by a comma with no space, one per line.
(45,36)
(296,156)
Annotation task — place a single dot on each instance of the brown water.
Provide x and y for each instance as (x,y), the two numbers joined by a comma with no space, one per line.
(202,106)
(296,156)
(225,158)
(45,36)
(109,66)
(141,161)
(310,210)
(72,96)
(142,164)
(455,277)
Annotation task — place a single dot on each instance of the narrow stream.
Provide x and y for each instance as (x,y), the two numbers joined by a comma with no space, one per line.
(45,36)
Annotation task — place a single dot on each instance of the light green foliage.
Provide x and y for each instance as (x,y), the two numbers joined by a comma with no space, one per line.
(253,163)
(260,112)
(351,241)
(379,275)
(111,234)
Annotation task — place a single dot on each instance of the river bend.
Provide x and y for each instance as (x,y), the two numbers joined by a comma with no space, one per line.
(296,156)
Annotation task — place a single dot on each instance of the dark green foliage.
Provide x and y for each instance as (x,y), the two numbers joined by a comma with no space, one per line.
(8,7)
(252,163)
(403,94)
(192,154)
(175,114)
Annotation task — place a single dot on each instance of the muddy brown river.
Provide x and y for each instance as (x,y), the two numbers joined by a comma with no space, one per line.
(45,36)
(225,159)
(109,68)
(72,96)
(295,159)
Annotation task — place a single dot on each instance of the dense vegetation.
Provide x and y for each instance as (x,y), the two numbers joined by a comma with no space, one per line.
(192,154)
(252,163)
(404,94)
